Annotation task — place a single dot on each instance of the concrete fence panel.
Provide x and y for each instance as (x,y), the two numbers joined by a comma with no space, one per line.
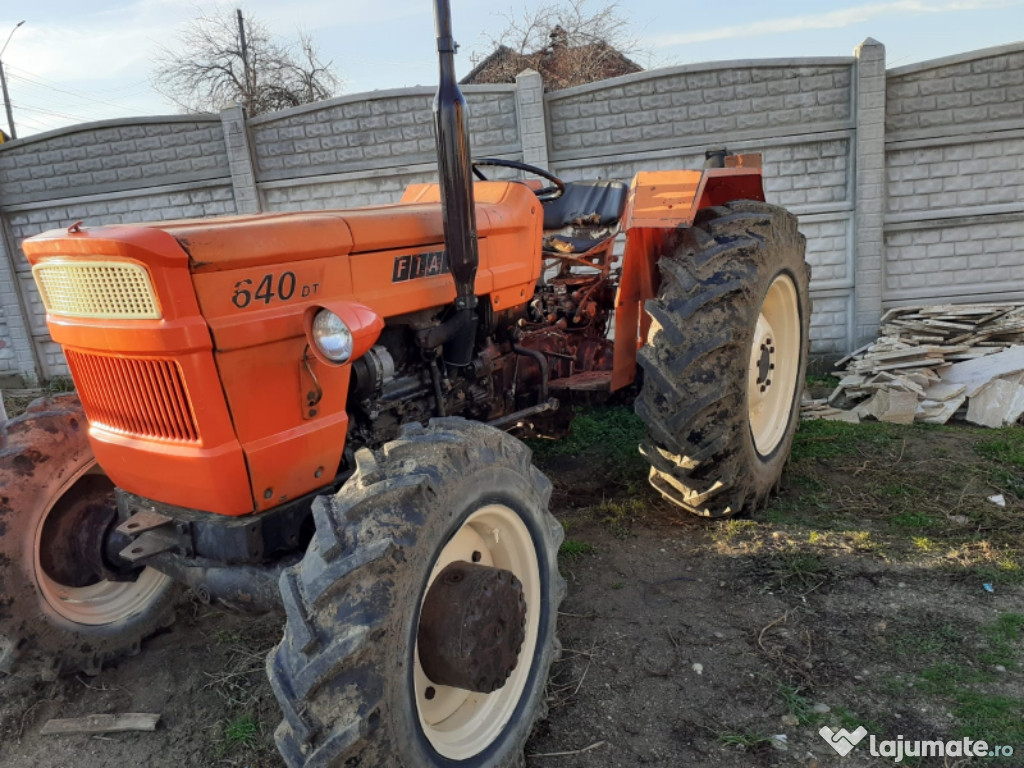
(954,221)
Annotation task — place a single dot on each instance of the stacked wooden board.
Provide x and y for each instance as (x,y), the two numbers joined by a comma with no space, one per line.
(933,362)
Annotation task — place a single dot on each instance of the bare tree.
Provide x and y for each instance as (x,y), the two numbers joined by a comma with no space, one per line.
(569,42)
(222,59)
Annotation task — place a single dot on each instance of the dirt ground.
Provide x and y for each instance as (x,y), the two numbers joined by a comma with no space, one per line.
(856,597)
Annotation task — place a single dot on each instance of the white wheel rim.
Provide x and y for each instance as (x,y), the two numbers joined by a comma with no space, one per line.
(106,602)
(774,365)
(458,723)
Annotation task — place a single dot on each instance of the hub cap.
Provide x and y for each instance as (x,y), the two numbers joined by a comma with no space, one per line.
(460,723)
(472,627)
(774,364)
(100,602)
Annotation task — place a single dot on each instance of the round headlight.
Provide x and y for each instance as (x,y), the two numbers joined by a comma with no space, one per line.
(332,337)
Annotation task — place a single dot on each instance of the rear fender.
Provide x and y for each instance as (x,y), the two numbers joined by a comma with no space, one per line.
(660,202)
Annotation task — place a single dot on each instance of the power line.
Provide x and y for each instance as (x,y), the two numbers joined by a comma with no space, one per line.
(63,90)
(135,84)
(85,110)
(43,111)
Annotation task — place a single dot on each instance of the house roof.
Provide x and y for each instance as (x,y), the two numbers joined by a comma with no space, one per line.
(560,65)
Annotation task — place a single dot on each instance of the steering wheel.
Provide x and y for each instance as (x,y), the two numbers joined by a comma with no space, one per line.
(544,194)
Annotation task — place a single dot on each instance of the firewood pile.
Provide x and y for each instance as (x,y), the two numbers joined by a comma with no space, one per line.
(931,363)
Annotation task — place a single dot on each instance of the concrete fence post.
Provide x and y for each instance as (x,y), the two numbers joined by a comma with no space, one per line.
(18,345)
(239,147)
(870,189)
(530,113)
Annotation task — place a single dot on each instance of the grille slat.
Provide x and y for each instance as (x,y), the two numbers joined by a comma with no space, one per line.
(160,400)
(136,396)
(180,406)
(116,290)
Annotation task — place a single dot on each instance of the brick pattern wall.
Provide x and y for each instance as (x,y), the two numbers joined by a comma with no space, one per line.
(683,106)
(969,90)
(828,249)
(325,193)
(977,259)
(956,175)
(17,356)
(954,224)
(112,158)
(830,319)
(364,134)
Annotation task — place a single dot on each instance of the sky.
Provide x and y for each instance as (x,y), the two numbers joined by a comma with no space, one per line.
(73,62)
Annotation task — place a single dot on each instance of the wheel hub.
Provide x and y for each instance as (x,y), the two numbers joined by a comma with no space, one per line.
(75,550)
(765,366)
(472,627)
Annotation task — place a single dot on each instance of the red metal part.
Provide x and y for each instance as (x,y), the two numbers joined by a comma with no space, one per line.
(659,203)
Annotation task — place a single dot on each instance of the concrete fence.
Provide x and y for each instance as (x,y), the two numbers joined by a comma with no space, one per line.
(908,183)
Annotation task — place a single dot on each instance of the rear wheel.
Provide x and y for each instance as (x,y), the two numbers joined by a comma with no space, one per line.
(421,621)
(726,359)
(64,606)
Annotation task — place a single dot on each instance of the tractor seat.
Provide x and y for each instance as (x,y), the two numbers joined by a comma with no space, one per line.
(590,203)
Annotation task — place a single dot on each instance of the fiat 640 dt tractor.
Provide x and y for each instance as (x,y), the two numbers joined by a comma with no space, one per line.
(316,412)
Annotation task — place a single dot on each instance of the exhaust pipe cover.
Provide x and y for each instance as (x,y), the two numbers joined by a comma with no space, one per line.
(451,124)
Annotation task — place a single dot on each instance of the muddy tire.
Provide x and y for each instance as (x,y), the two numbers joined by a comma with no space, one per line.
(347,672)
(727,356)
(47,470)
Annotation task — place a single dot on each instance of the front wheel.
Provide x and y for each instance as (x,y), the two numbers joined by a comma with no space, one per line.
(421,621)
(64,605)
(726,358)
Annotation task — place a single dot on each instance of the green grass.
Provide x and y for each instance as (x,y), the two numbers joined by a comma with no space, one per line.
(240,733)
(619,514)
(799,705)
(915,520)
(609,433)
(994,718)
(1005,445)
(822,381)
(1003,636)
(574,549)
(918,641)
(730,529)
(1000,570)
(742,739)
(851,721)
(59,384)
(1007,628)
(959,665)
(1008,479)
(821,439)
(794,570)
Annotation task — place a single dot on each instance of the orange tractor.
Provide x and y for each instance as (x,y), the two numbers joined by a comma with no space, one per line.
(316,411)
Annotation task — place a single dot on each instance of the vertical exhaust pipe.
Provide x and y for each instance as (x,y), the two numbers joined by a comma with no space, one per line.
(451,126)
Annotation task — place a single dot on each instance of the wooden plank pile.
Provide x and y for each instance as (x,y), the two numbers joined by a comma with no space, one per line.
(931,363)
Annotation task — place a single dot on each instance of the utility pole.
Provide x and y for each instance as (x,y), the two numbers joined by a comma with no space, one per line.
(3,84)
(245,60)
